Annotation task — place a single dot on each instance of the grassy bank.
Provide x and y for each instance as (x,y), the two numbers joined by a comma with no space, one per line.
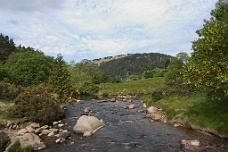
(135,87)
(194,111)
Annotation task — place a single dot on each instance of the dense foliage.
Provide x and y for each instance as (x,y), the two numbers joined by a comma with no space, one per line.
(7,46)
(59,80)
(134,64)
(28,67)
(208,66)
(36,104)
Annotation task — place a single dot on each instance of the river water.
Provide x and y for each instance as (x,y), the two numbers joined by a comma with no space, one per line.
(130,131)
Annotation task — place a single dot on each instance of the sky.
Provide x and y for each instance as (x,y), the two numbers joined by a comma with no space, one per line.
(91,29)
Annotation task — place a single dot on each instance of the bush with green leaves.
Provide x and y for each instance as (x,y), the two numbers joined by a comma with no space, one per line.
(157,95)
(28,67)
(9,91)
(208,66)
(37,105)
(60,80)
(148,74)
(89,89)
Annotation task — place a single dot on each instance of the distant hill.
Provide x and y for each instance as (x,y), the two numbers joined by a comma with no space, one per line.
(133,64)
(108,58)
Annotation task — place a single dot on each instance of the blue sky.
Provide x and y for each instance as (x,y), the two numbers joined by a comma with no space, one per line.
(90,29)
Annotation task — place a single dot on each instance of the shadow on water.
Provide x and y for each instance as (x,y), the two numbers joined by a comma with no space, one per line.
(129,130)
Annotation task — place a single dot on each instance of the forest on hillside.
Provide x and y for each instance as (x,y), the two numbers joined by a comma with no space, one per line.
(135,64)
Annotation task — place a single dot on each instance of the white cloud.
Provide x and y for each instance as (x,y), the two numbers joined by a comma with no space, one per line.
(91,29)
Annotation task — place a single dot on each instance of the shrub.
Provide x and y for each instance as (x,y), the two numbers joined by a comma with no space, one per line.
(157,95)
(89,88)
(9,91)
(37,105)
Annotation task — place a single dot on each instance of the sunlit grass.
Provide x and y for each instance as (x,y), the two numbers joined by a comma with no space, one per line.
(135,87)
(195,110)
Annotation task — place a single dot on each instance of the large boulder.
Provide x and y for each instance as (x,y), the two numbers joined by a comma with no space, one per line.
(30,139)
(87,124)
(4,140)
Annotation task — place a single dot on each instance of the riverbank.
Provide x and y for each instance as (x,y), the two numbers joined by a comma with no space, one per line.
(194,111)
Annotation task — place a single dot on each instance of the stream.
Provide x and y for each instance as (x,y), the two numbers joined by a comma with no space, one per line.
(129,130)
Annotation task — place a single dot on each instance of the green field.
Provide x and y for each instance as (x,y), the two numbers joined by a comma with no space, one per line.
(135,87)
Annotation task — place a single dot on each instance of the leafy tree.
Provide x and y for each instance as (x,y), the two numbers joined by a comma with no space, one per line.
(99,77)
(174,72)
(183,56)
(208,66)
(158,72)
(148,74)
(3,71)
(85,75)
(29,67)
(7,46)
(59,80)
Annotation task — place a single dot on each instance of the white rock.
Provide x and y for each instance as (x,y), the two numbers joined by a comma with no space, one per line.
(152,110)
(45,127)
(34,125)
(21,132)
(177,125)
(144,105)
(87,123)
(52,133)
(60,125)
(38,130)
(58,140)
(54,123)
(131,106)
(87,134)
(45,132)
(195,143)
(30,129)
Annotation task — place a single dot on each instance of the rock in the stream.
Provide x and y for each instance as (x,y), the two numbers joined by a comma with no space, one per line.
(34,125)
(195,143)
(113,100)
(87,134)
(5,140)
(131,106)
(87,111)
(177,125)
(64,135)
(151,110)
(87,123)
(144,105)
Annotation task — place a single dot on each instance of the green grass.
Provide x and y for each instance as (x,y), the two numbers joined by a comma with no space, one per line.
(193,110)
(135,87)
(196,111)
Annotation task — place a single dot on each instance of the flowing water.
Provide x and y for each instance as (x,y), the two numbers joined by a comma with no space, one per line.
(129,130)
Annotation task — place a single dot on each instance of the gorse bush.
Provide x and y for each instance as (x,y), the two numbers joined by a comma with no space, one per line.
(37,105)
(9,91)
